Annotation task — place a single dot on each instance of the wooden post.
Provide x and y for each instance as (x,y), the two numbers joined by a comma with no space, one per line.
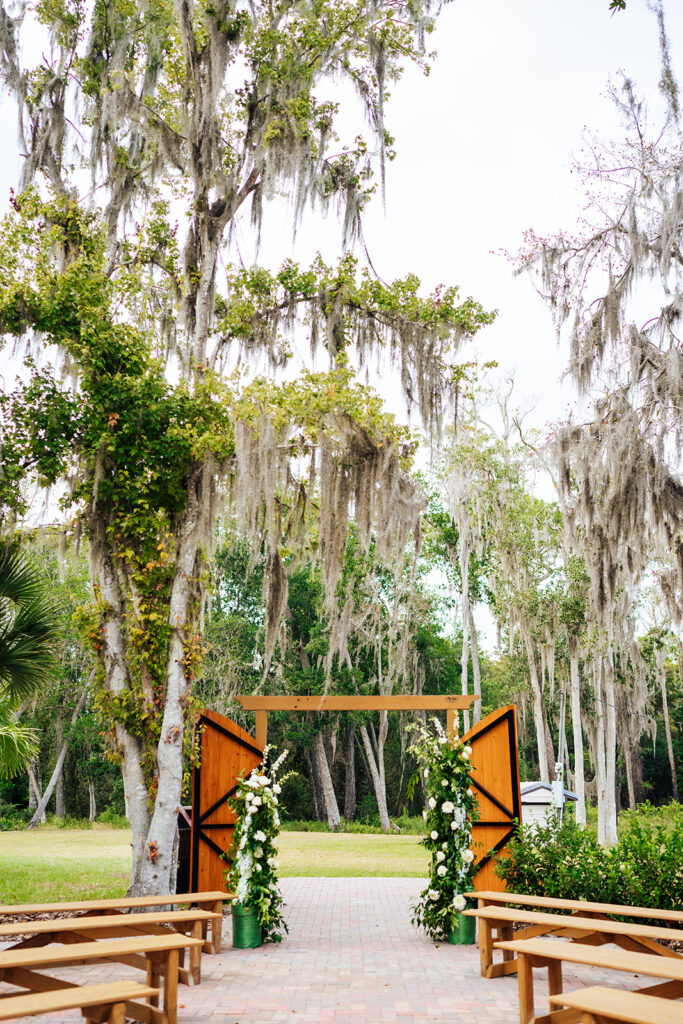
(261,728)
(450,721)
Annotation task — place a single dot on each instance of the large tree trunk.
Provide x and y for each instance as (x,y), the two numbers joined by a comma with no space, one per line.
(611,836)
(59,782)
(350,773)
(667,721)
(376,766)
(575,690)
(331,806)
(476,668)
(40,810)
(537,702)
(35,790)
(465,615)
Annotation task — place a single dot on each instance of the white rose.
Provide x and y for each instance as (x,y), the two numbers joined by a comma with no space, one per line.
(454,825)
(260,836)
(263,780)
(276,819)
(256,802)
(444,782)
(433,894)
(448,807)
(275,800)
(465,756)
(249,797)
(440,855)
(468,750)
(459,902)
(258,852)
(444,846)
(470,791)
(441,870)
(467,856)
(277,788)
(258,867)
(434,834)
(432,803)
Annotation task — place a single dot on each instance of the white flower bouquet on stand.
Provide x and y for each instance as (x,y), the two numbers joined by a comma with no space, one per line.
(253,874)
(451,806)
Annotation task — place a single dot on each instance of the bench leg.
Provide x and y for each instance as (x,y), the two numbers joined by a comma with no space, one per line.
(171,986)
(525,978)
(507,936)
(153,976)
(485,947)
(217,928)
(196,954)
(555,977)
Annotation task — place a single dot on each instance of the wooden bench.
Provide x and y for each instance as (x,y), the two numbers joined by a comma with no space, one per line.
(591,930)
(157,953)
(110,926)
(99,1003)
(551,953)
(600,1005)
(583,907)
(211,901)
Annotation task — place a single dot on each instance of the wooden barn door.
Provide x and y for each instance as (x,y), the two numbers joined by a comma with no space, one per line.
(495,780)
(225,752)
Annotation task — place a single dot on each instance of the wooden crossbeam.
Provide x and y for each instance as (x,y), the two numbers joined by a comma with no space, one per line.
(422,702)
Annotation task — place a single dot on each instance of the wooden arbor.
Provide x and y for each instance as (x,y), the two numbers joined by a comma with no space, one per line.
(226,750)
(435,702)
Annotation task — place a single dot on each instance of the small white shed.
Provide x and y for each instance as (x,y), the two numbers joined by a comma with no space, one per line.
(538,799)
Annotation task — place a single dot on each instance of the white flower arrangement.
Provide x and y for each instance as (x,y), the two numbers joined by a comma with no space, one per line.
(253,873)
(445,759)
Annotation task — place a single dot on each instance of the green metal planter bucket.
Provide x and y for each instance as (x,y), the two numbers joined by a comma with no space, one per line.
(463,931)
(246,931)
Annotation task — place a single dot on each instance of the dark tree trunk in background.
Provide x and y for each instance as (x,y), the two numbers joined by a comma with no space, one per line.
(350,773)
(316,788)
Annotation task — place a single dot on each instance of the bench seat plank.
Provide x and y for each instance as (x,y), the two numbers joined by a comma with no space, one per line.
(117,903)
(588,924)
(160,954)
(550,902)
(552,953)
(136,921)
(88,952)
(76,997)
(620,1005)
(70,929)
(213,899)
(637,937)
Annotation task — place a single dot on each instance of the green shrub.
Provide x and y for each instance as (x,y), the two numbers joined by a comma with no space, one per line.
(644,869)
(69,821)
(13,818)
(112,818)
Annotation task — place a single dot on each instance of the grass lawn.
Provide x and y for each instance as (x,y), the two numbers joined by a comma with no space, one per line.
(347,854)
(52,864)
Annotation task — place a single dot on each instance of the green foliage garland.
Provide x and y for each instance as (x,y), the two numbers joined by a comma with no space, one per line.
(253,874)
(445,764)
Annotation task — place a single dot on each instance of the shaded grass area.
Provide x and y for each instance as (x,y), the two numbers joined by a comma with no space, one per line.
(52,865)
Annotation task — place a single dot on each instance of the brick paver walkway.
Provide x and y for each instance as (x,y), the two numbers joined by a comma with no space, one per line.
(351,957)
